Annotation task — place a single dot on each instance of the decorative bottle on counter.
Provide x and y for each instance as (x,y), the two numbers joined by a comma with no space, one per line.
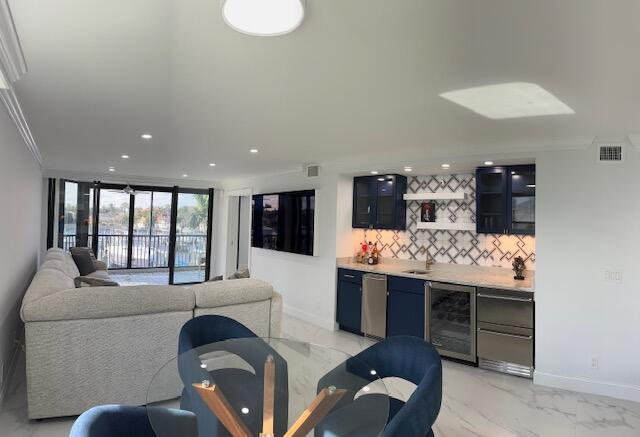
(375,253)
(370,258)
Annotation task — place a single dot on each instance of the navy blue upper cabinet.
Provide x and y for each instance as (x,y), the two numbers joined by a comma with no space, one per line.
(521,198)
(505,200)
(378,202)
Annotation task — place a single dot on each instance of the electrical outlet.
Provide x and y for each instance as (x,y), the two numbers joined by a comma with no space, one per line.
(614,276)
(595,363)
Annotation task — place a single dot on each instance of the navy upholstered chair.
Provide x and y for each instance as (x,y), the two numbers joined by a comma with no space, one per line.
(126,421)
(409,358)
(242,388)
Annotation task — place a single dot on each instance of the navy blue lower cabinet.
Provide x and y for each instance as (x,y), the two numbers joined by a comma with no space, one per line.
(405,314)
(349,306)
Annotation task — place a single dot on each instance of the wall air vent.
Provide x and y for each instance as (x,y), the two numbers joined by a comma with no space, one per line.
(312,171)
(610,153)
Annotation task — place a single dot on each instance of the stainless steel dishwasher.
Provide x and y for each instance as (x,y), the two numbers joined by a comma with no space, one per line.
(374,305)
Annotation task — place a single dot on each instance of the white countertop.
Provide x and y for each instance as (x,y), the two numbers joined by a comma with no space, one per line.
(490,277)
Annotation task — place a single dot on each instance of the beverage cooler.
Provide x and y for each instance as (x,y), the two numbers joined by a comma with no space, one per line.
(450,320)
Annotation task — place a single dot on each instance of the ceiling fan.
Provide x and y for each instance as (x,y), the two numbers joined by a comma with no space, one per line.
(126,190)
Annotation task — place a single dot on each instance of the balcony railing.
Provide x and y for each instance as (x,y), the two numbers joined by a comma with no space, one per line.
(148,251)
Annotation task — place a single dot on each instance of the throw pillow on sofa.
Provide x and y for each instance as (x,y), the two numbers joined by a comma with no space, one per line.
(240,274)
(80,282)
(84,262)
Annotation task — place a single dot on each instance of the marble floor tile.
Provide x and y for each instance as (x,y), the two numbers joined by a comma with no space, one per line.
(476,402)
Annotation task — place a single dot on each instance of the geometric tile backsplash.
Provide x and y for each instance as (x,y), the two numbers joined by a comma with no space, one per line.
(450,246)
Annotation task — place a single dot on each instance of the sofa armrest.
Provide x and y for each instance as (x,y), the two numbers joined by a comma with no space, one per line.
(106,302)
(231,292)
(275,325)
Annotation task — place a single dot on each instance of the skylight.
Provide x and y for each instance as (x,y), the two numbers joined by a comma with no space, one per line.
(509,100)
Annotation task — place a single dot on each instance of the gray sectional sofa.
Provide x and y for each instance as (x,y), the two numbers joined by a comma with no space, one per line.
(102,345)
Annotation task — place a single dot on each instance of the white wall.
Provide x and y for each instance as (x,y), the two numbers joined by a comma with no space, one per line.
(588,220)
(308,284)
(20,229)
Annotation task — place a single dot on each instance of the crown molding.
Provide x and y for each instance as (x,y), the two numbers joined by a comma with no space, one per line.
(634,139)
(128,179)
(13,66)
(14,109)
(11,54)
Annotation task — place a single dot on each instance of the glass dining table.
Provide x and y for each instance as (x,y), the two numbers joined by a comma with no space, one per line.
(267,387)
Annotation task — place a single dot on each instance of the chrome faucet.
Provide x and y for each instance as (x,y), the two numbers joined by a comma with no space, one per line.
(430,261)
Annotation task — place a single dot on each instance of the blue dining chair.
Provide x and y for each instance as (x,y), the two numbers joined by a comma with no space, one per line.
(243,389)
(127,421)
(409,358)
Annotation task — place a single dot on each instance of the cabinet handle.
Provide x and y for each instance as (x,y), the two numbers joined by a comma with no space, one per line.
(516,299)
(349,276)
(504,334)
(368,209)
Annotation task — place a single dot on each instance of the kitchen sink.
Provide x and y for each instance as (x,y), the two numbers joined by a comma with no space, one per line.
(416,272)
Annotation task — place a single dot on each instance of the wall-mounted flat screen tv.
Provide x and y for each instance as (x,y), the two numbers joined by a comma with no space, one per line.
(284,221)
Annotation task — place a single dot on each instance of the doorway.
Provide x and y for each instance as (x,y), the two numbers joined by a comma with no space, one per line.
(238,233)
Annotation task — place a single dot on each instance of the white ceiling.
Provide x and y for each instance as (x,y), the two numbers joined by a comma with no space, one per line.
(357,85)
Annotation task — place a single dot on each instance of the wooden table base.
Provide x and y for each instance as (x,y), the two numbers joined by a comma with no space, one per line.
(213,397)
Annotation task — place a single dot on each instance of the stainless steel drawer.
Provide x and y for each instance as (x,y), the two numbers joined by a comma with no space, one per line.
(505,343)
(504,307)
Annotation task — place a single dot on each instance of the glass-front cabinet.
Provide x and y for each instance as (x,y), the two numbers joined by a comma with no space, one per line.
(505,200)
(378,202)
(521,214)
(491,197)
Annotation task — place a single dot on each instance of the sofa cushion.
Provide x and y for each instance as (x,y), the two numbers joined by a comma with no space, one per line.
(104,302)
(87,281)
(46,282)
(221,293)
(99,274)
(84,262)
(68,265)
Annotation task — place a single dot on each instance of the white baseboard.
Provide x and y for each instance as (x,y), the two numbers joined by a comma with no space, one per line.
(311,318)
(586,385)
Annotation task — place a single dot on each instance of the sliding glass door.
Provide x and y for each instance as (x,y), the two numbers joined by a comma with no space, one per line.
(113,228)
(76,218)
(161,231)
(192,236)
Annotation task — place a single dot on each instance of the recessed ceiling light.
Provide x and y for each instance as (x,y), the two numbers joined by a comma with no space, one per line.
(488,163)
(185,175)
(509,100)
(146,136)
(374,172)
(253,150)
(112,169)
(212,164)
(408,169)
(263,17)
(125,156)
(445,165)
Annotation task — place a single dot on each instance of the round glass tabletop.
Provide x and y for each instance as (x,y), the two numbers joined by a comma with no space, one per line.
(267,387)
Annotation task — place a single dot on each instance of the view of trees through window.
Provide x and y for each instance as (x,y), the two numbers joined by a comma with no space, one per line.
(150,228)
